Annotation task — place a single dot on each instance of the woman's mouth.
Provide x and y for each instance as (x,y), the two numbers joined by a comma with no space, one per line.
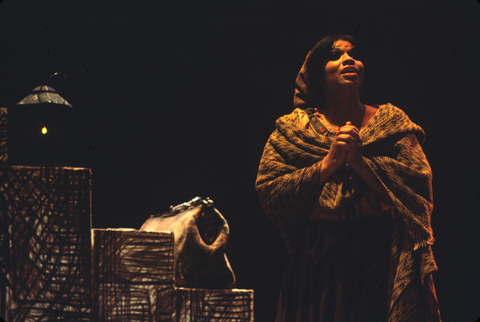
(349,70)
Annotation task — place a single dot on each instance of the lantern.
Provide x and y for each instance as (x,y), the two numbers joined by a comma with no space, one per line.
(39,129)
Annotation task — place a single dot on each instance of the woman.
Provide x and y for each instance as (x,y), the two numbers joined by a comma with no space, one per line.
(350,189)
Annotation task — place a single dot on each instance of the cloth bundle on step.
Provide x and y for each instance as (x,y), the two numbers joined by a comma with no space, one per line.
(201,236)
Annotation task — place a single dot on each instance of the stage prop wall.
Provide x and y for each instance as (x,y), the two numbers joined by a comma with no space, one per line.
(45,244)
(132,271)
(3,136)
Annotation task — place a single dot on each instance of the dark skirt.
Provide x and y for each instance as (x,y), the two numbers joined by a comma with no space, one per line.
(338,272)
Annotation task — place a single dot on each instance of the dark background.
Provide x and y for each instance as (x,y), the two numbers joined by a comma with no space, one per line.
(174,99)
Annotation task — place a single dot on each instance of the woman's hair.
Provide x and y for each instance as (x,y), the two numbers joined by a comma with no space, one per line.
(318,58)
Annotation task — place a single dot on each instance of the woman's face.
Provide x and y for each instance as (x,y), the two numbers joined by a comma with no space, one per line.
(342,69)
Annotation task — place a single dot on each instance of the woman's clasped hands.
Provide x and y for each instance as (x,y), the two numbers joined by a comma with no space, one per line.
(349,139)
(346,149)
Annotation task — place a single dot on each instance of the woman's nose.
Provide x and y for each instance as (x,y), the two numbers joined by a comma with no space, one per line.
(347,60)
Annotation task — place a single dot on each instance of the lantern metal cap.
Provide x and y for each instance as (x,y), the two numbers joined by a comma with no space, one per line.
(44,95)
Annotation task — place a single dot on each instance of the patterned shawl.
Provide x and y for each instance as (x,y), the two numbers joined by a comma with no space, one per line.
(288,186)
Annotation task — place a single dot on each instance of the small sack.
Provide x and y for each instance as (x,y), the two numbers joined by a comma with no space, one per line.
(201,236)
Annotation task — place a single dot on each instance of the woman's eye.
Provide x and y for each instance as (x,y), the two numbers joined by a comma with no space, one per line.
(354,55)
(334,56)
